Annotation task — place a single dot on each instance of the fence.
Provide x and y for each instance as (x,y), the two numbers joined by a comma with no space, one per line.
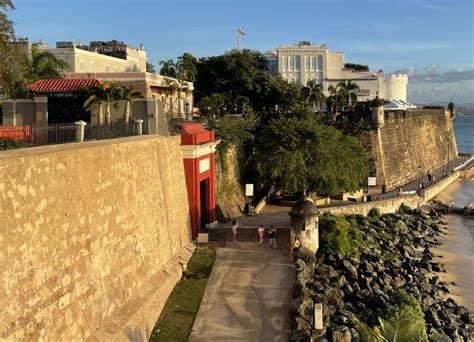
(28,136)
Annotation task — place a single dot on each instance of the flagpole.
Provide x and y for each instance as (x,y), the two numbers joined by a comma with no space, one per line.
(238,39)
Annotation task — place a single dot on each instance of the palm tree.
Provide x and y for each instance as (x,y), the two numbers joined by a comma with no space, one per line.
(401,330)
(44,65)
(313,93)
(350,88)
(127,94)
(168,68)
(171,86)
(103,94)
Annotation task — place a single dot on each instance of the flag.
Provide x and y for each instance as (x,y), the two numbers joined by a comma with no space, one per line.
(241,31)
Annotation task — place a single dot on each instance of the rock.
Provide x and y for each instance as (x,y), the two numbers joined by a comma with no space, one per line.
(401,227)
(432,318)
(340,334)
(467,318)
(350,269)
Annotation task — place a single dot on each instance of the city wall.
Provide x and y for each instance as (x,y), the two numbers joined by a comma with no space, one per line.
(410,139)
(91,240)
(391,205)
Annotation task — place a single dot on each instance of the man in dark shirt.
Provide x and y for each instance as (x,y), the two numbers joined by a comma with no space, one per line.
(272,235)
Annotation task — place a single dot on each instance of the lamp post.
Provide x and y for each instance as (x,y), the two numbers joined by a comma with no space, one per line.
(186,109)
(419,181)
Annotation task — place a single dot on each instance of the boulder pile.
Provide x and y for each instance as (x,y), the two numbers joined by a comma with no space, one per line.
(397,256)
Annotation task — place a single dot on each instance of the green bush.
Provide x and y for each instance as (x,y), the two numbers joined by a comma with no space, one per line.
(374,213)
(406,308)
(10,144)
(405,209)
(339,237)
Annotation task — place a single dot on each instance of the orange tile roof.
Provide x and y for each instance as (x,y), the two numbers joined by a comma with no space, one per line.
(61,85)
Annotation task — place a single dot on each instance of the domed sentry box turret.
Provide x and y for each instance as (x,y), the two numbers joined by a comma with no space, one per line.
(305,226)
(378,119)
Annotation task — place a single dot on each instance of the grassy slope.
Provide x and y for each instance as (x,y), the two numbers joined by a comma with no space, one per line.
(177,318)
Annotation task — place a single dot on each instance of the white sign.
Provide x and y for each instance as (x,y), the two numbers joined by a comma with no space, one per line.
(248,189)
(372,181)
(204,165)
(318,316)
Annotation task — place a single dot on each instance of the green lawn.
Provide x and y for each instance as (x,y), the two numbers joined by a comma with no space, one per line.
(177,318)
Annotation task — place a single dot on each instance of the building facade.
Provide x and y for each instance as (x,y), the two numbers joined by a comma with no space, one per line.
(98,56)
(303,62)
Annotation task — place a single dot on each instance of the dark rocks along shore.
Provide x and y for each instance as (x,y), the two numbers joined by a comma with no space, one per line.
(397,257)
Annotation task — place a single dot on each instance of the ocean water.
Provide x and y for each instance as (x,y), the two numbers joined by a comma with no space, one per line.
(464,131)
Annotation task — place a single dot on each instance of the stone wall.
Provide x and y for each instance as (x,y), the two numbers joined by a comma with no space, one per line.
(391,205)
(230,197)
(408,140)
(92,237)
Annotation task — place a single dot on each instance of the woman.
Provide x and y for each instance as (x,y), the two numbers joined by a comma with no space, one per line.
(261,232)
(235,226)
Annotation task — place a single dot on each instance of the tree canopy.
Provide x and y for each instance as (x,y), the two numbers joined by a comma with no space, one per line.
(356,67)
(297,154)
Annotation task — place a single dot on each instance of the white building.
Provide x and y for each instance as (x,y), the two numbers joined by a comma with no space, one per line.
(302,62)
(98,57)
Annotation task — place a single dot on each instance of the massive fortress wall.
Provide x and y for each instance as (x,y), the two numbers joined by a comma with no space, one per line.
(411,139)
(91,238)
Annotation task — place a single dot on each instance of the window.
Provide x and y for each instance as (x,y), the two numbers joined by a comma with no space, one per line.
(81,65)
(285,63)
(297,63)
(307,60)
(313,63)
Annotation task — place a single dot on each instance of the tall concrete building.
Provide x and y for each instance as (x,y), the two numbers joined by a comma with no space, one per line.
(302,62)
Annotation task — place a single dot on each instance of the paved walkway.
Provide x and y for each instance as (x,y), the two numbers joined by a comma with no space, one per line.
(250,289)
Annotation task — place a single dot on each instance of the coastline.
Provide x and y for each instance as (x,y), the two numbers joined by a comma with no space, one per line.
(456,249)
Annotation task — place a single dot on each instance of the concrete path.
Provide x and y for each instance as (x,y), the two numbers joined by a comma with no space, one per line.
(249,292)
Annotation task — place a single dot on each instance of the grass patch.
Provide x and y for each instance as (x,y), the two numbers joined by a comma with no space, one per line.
(177,318)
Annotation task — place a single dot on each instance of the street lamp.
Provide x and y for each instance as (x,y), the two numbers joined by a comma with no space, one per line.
(419,181)
(186,109)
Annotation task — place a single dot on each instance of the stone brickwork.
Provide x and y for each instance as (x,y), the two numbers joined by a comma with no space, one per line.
(408,140)
(92,237)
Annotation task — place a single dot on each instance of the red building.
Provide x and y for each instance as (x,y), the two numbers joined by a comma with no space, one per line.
(199,147)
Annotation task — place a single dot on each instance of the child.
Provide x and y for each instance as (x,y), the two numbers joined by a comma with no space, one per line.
(261,232)
(235,226)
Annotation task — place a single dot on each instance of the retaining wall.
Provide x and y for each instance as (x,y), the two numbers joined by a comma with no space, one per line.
(91,238)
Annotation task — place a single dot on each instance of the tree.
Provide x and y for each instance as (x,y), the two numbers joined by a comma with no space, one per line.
(107,94)
(128,94)
(150,68)
(356,67)
(297,154)
(13,62)
(349,90)
(213,105)
(313,94)
(44,65)
(168,68)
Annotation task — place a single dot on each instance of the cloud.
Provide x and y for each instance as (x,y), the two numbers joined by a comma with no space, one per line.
(431,74)
(431,6)
(404,47)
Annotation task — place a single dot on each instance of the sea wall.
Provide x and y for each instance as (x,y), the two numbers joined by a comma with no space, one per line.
(91,240)
(409,140)
(391,205)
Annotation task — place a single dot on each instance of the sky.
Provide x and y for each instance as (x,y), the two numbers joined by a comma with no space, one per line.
(431,40)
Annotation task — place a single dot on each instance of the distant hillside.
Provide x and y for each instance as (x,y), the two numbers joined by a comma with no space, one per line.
(464,110)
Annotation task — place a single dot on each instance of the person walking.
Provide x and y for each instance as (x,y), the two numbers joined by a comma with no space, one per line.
(261,232)
(272,234)
(235,226)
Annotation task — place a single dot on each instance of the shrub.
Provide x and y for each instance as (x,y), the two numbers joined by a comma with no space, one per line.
(405,209)
(9,144)
(374,213)
(338,237)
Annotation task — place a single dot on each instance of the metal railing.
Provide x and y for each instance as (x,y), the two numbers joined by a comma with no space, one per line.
(29,136)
